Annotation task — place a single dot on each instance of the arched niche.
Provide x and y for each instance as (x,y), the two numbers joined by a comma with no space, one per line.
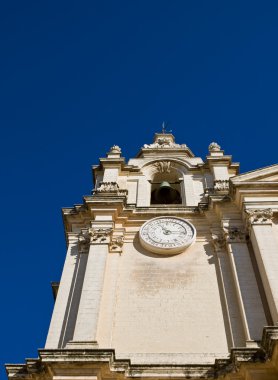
(167,171)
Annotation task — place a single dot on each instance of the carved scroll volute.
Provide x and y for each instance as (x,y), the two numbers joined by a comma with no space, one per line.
(259,216)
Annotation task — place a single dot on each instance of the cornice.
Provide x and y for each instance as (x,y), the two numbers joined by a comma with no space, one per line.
(112,160)
(114,163)
(106,200)
(122,369)
(167,210)
(255,184)
(256,175)
(227,159)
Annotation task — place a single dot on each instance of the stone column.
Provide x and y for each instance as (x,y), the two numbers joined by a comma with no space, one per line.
(249,300)
(266,251)
(60,308)
(88,312)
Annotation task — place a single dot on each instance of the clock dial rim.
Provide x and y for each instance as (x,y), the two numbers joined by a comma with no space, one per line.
(164,250)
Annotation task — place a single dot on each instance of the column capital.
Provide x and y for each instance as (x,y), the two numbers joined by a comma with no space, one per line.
(84,241)
(235,235)
(259,216)
(100,235)
(116,244)
(218,241)
(93,235)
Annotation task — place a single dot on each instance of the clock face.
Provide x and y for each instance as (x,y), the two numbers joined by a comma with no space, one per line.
(167,235)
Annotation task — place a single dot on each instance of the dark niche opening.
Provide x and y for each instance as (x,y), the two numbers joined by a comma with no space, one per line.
(166,193)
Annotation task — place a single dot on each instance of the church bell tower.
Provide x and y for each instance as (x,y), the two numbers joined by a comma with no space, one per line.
(171,271)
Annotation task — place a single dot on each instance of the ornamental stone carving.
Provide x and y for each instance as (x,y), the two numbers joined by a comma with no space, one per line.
(116,244)
(259,216)
(115,149)
(235,235)
(93,236)
(84,241)
(214,147)
(163,166)
(221,185)
(109,187)
(164,143)
(218,241)
(100,235)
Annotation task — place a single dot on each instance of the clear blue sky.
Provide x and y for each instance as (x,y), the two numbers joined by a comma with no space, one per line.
(78,77)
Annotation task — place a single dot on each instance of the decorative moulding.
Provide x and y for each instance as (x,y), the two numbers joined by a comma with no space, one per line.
(259,216)
(109,188)
(235,235)
(116,244)
(257,359)
(163,166)
(221,185)
(100,235)
(93,236)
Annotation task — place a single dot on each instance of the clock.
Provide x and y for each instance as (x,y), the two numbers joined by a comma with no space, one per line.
(167,235)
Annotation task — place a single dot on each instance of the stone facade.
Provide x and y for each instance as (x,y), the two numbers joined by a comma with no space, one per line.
(210,311)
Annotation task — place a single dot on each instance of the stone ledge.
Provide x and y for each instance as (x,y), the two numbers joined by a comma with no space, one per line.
(105,361)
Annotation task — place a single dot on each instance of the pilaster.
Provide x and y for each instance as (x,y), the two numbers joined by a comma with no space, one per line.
(266,252)
(219,245)
(60,312)
(249,301)
(88,312)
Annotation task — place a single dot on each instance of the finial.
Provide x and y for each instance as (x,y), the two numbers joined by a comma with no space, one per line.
(114,152)
(115,149)
(164,125)
(214,147)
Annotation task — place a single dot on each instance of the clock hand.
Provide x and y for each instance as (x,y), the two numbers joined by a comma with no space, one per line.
(167,232)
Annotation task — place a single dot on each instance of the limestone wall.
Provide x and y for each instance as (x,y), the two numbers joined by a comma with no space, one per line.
(162,305)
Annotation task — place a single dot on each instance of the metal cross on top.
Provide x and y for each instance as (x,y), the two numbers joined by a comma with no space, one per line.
(164,125)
